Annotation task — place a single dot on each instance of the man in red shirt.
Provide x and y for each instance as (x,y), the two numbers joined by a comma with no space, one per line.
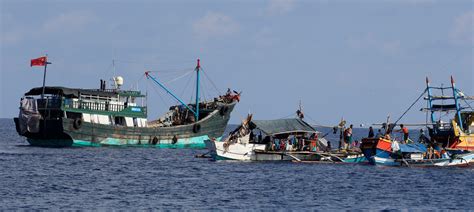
(404,130)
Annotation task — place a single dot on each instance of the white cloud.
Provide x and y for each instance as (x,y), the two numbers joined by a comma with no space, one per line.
(278,7)
(215,25)
(463,29)
(72,21)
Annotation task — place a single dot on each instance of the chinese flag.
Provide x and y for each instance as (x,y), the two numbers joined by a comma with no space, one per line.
(40,61)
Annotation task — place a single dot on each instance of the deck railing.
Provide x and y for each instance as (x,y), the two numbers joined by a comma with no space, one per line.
(97,106)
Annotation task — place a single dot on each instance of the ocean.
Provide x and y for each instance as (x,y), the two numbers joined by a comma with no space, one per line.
(118,178)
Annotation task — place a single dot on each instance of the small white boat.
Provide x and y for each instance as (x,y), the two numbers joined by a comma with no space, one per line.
(277,140)
(241,150)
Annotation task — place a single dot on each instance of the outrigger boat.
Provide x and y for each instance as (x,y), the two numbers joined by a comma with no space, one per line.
(386,152)
(62,117)
(277,140)
(450,143)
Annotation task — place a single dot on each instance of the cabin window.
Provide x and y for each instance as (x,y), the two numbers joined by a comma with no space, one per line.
(120,120)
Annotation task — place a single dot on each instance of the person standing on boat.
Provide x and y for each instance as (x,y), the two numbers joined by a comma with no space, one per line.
(348,137)
(379,134)
(404,130)
(371,132)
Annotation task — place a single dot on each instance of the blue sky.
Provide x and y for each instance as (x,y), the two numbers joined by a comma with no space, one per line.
(360,60)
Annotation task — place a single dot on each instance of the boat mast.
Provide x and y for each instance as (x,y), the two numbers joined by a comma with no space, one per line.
(196,114)
(458,109)
(430,99)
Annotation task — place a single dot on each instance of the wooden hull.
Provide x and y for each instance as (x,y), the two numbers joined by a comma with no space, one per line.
(63,133)
(375,147)
(257,152)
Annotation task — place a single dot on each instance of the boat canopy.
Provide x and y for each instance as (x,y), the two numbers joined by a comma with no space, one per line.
(413,148)
(283,126)
(76,92)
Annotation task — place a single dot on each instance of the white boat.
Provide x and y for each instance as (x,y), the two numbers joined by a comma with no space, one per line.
(277,140)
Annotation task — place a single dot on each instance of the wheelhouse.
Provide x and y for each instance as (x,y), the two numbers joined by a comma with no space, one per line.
(98,106)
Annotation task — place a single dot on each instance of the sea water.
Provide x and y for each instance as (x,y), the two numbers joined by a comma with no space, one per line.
(103,178)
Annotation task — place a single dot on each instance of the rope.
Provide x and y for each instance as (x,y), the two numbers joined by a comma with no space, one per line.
(406,111)
(179,77)
(291,114)
(186,86)
(212,83)
(156,91)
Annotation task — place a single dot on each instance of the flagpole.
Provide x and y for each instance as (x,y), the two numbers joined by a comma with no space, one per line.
(44,79)
(44,76)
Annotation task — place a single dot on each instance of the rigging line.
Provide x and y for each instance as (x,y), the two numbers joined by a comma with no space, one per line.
(316,123)
(467,103)
(203,91)
(186,86)
(172,70)
(193,91)
(406,111)
(291,114)
(138,80)
(207,95)
(179,77)
(159,94)
(214,85)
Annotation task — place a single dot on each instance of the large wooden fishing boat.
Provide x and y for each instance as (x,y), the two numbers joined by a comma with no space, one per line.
(61,117)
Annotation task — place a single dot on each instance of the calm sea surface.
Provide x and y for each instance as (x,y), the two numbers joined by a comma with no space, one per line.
(140,178)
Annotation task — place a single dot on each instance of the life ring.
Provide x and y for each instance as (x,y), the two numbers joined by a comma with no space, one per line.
(77,124)
(223,110)
(174,140)
(154,141)
(196,128)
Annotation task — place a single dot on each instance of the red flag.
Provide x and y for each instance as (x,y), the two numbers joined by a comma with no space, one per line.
(40,61)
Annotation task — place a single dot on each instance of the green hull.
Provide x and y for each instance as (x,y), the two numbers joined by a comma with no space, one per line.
(64,132)
(360,159)
(193,143)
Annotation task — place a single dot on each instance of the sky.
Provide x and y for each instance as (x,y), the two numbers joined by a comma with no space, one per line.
(357,60)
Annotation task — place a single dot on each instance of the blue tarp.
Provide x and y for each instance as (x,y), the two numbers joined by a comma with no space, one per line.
(413,148)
